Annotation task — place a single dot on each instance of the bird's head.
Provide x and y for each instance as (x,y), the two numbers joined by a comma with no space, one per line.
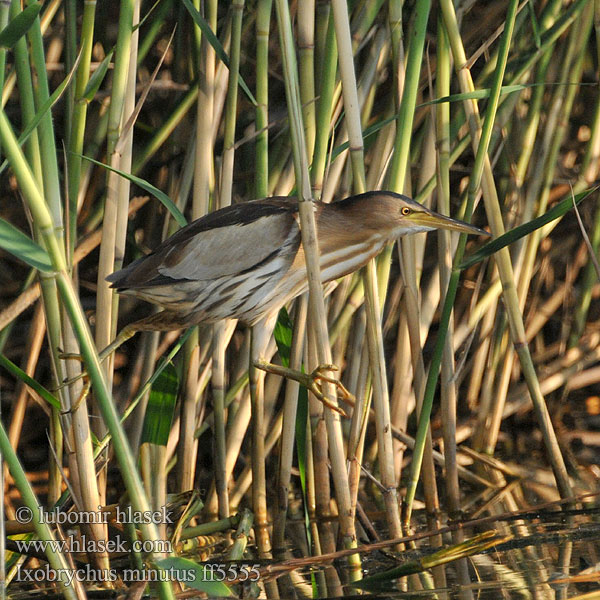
(395,215)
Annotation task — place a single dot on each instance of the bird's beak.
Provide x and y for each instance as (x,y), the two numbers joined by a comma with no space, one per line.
(437,221)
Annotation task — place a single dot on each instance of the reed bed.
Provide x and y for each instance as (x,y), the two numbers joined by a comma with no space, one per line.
(473,379)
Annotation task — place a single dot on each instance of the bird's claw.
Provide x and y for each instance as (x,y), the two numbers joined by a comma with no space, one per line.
(123,336)
(70,381)
(311,381)
(70,356)
(85,390)
(319,374)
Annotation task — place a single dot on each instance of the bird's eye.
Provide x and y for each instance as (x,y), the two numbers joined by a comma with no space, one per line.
(405,211)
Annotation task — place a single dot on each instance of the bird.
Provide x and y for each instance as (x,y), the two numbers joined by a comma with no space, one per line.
(245,261)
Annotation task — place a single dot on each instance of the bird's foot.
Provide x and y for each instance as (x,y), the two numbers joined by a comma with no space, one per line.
(85,390)
(69,355)
(67,382)
(123,336)
(70,381)
(311,381)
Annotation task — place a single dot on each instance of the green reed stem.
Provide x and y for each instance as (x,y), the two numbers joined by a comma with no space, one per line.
(237,8)
(327,82)
(78,118)
(57,560)
(70,54)
(309,242)
(165,130)
(474,182)
(404,129)
(105,315)
(26,96)
(44,223)
(374,332)
(45,128)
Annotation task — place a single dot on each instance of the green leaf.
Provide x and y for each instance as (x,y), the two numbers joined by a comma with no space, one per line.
(147,14)
(97,78)
(195,576)
(283,336)
(13,240)
(485,92)
(148,187)
(19,26)
(561,209)
(283,333)
(367,132)
(164,361)
(161,407)
(535,26)
(216,44)
(32,383)
(301,453)
(477,94)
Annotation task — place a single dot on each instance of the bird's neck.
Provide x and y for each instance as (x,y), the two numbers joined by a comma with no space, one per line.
(337,229)
(344,245)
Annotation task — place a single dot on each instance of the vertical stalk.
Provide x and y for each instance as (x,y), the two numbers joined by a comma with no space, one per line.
(448,386)
(397,182)
(70,16)
(119,150)
(263,23)
(26,96)
(310,245)
(218,389)
(327,83)
(237,8)
(57,560)
(404,129)
(4,14)
(42,153)
(43,219)
(306,54)
(124,149)
(203,178)
(78,117)
(45,128)
(482,172)
(203,170)
(289,424)
(395,21)
(407,80)
(259,494)
(322,25)
(105,317)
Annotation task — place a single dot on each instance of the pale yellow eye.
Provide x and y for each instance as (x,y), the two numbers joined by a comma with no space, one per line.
(405,211)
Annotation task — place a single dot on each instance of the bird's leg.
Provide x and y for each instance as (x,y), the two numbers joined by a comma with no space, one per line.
(85,390)
(126,333)
(311,381)
(161,321)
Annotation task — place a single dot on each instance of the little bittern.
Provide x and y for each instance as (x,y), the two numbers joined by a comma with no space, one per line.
(246,260)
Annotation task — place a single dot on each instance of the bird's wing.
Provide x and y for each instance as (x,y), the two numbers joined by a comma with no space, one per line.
(223,243)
